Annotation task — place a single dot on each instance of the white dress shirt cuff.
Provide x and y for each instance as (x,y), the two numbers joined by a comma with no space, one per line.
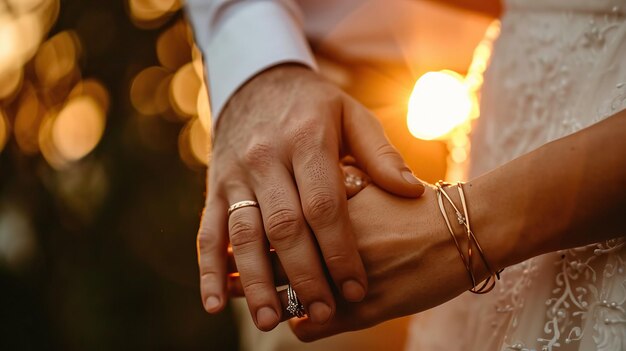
(244,38)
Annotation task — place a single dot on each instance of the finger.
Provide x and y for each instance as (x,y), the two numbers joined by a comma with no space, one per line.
(321,185)
(212,241)
(366,140)
(308,332)
(236,288)
(280,278)
(250,249)
(294,244)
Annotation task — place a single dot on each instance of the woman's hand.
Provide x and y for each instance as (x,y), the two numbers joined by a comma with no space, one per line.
(547,200)
(411,262)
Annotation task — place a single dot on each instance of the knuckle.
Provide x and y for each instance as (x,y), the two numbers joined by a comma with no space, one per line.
(282,225)
(322,207)
(211,281)
(305,284)
(335,260)
(255,287)
(302,142)
(242,233)
(209,277)
(316,169)
(301,129)
(386,150)
(389,156)
(306,134)
(205,241)
(259,155)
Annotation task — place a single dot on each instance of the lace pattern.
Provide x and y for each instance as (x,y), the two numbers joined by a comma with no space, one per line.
(558,67)
(558,74)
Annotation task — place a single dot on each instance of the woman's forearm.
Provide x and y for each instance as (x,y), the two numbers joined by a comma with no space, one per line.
(568,193)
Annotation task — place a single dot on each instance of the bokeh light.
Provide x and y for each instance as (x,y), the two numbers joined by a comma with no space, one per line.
(19,39)
(56,58)
(148,14)
(204,108)
(173,46)
(18,244)
(94,89)
(73,74)
(46,144)
(4,130)
(10,83)
(194,144)
(184,90)
(78,128)
(439,102)
(28,117)
(22,29)
(149,92)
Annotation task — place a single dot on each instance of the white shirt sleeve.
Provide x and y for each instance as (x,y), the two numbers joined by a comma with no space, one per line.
(240,38)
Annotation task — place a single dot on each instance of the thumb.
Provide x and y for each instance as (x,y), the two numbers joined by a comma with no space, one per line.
(367,142)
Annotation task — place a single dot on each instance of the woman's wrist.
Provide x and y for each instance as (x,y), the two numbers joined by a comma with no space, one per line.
(497,231)
(431,224)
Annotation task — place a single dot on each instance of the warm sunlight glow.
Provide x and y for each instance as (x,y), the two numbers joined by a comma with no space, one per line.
(439,102)
(458,140)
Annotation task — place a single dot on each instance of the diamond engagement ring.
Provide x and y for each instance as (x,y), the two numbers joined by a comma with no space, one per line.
(294,306)
(241,204)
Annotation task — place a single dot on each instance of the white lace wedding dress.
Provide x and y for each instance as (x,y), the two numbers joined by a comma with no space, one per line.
(557,67)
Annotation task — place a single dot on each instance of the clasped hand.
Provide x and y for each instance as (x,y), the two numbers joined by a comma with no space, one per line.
(411,264)
(279,142)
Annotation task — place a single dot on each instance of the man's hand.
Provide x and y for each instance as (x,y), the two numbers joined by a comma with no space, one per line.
(279,142)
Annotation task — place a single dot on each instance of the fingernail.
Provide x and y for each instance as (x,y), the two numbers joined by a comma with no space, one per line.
(409,177)
(212,303)
(266,318)
(353,291)
(319,312)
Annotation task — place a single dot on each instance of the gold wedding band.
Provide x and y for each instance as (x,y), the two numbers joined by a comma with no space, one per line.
(241,204)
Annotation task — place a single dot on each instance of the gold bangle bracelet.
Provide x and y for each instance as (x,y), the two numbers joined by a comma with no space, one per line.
(440,191)
(493,276)
(463,218)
